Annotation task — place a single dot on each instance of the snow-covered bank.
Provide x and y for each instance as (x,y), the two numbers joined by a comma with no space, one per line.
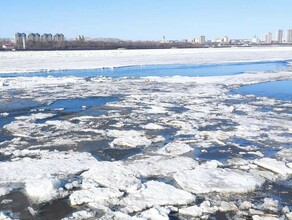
(33,61)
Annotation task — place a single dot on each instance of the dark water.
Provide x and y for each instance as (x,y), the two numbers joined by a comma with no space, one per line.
(278,90)
(19,204)
(77,104)
(166,70)
(92,106)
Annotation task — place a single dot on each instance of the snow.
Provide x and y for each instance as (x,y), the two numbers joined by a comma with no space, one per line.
(129,138)
(41,175)
(142,118)
(4,114)
(269,205)
(245,205)
(285,154)
(152,126)
(206,180)
(42,190)
(155,193)
(159,166)
(119,216)
(227,206)
(80,215)
(274,166)
(113,175)
(175,148)
(42,60)
(155,213)
(257,217)
(35,117)
(4,191)
(95,197)
(289,216)
(194,211)
(204,209)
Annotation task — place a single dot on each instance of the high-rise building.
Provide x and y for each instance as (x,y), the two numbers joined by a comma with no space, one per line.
(80,38)
(225,40)
(20,40)
(47,37)
(288,36)
(34,37)
(19,37)
(268,38)
(202,40)
(279,36)
(59,37)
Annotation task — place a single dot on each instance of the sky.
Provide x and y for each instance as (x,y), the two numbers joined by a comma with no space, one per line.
(146,19)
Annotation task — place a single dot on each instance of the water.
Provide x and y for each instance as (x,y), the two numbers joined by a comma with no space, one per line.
(101,149)
(166,70)
(77,104)
(278,90)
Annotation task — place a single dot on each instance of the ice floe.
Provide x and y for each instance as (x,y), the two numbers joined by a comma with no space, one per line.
(81,215)
(205,180)
(152,126)
(168,119)
(175,148)
(113,175)
(130,138)
(160,166)
(4,114)
(285,154)
(96,197)
(274,165)
(44,189)
(4,191)
(41,176)
(155,193)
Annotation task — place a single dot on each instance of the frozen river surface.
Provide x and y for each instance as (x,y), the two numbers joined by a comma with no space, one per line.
(165,70)
(148,142)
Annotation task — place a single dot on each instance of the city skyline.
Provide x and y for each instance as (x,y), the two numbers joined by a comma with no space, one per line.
(280,36)
(146,20)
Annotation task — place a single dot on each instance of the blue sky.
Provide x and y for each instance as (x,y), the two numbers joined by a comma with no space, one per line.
(146,19)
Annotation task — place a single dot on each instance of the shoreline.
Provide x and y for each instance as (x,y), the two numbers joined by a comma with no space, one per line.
(45,61)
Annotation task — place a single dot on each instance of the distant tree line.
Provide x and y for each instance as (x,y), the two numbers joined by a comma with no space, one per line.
(102,45)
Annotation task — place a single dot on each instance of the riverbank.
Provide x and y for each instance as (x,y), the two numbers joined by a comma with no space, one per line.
(35,61)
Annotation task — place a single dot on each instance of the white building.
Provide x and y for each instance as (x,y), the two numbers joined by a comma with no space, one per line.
(279,36)
(202,40)
(225,40)
(268,38)
(288,36)
(20,40)
(59,37)
(35,37)
(255,40)
(47,37)
(217,40)
(19,37)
